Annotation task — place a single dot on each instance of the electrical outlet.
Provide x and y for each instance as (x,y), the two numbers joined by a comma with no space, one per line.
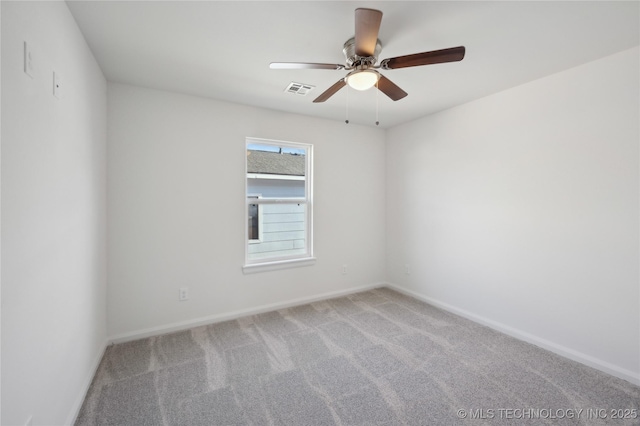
(184,294)
(344,269)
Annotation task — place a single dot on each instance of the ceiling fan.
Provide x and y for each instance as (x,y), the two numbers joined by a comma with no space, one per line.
(361,53)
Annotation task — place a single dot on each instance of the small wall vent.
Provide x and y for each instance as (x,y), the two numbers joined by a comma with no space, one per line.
(299,88)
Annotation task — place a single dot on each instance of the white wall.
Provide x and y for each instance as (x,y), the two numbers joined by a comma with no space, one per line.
(53,216)
(176,205)
(521,210)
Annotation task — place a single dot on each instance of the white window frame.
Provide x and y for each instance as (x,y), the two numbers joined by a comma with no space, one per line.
(273,263)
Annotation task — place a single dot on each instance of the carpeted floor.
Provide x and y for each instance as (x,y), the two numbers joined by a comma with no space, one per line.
(372,358)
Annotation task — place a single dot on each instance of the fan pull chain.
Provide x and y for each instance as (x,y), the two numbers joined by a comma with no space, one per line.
(347,113)
(377,90)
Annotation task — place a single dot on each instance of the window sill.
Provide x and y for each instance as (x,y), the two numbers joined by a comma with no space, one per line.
(279,264)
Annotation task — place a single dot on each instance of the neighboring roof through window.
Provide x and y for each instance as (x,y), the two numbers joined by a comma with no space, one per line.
(266,162)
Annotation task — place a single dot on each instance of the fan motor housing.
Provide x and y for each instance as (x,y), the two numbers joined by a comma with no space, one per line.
(354,60)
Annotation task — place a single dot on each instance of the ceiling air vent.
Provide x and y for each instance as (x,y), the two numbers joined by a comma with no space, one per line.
(299,88)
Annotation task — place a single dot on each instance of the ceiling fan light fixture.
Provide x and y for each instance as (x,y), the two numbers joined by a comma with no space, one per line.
(362,79)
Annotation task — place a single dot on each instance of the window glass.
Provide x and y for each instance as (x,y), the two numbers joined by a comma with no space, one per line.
(279,218)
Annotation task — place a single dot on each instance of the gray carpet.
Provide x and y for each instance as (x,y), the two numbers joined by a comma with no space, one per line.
(372,358)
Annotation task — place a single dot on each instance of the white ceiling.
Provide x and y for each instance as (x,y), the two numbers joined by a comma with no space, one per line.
(222,49)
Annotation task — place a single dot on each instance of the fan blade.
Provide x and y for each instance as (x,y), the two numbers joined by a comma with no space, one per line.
(367,28)
(452,54)
(390,89)
(304,65)
(330,91)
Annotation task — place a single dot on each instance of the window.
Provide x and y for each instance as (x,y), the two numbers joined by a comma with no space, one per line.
(278,204)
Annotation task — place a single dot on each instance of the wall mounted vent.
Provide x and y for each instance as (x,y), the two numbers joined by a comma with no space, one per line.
(299,88)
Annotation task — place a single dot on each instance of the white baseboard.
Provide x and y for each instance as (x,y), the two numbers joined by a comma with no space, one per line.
(184,325)
(75,409)
(574,355)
